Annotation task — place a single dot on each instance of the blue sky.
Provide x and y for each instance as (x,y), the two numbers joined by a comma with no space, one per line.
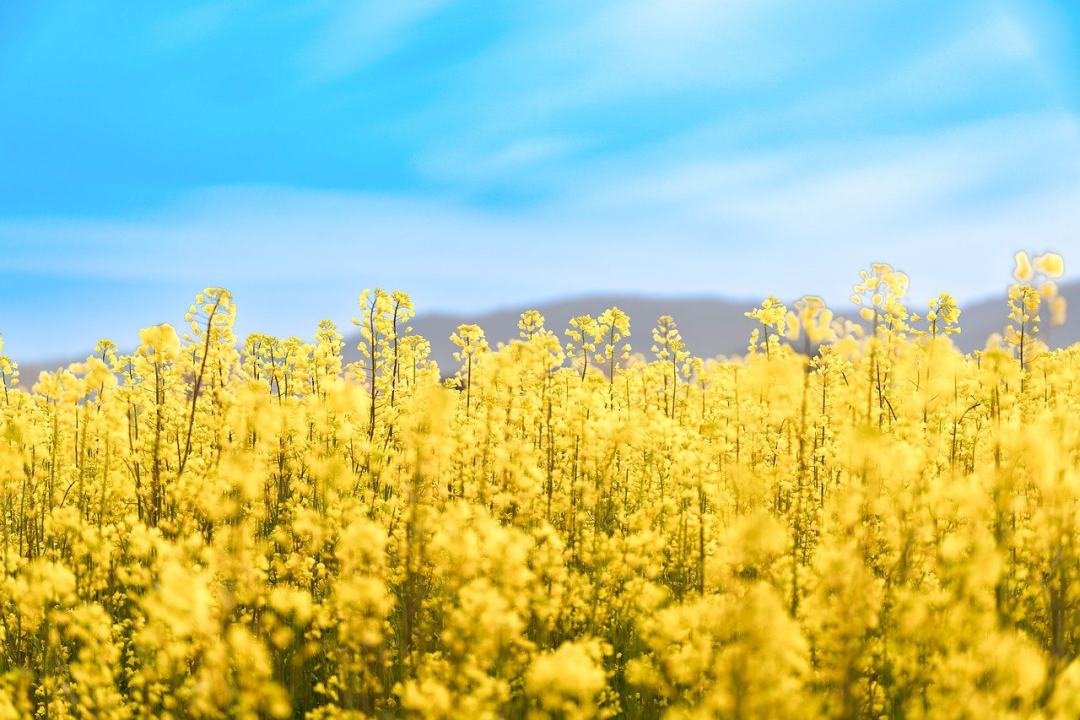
(496,153)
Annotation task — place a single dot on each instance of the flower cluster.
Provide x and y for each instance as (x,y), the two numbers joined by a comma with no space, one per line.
(848,522)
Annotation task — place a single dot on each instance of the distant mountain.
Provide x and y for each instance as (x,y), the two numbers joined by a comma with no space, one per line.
(980,319)
(710,326)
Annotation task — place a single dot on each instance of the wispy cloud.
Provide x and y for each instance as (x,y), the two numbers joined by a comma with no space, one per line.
(940,206)
(357,34)
(524,157)
(727,79)
(193,24)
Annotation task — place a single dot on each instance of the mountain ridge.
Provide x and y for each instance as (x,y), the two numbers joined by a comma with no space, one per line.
(711,326)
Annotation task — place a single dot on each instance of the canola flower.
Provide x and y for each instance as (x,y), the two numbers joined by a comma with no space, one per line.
(848,522)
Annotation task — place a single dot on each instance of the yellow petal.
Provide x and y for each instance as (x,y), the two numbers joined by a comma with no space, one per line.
(1050,264)
(1023,271)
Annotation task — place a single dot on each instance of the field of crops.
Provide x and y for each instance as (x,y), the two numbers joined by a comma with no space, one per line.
(851,521)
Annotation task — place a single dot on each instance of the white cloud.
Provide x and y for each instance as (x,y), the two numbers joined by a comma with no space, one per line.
(805,221)
(555,81)
(883,179)
(674,214)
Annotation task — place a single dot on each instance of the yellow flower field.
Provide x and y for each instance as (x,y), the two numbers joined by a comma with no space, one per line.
(851,521)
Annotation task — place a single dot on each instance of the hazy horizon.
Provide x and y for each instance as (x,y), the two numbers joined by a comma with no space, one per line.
(712,325)
(305,327)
